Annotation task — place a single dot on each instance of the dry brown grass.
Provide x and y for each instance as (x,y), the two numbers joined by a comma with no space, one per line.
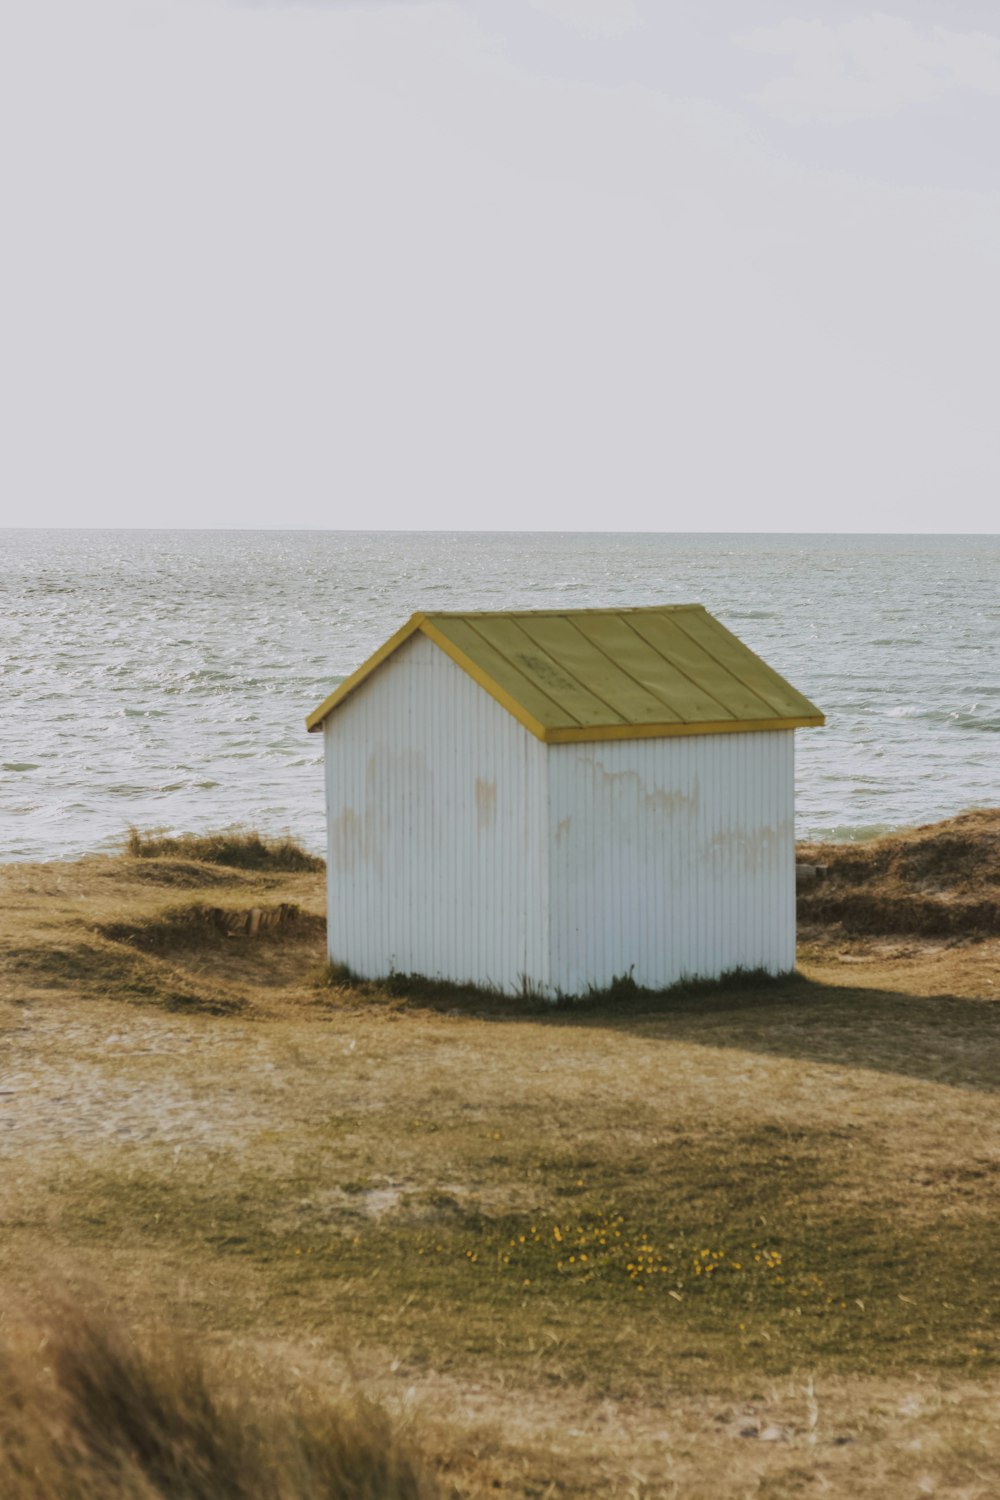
(328,1180)
(237,848)
(115,926)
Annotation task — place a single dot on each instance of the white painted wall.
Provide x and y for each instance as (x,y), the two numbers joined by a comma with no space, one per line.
(436,829)
(461,847)
(671,858)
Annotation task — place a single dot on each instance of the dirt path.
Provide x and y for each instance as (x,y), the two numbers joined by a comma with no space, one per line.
(104,1075)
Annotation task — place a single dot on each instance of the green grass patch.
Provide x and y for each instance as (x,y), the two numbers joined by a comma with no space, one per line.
(607,1286)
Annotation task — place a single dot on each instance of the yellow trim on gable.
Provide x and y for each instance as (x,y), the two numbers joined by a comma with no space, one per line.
(315,719)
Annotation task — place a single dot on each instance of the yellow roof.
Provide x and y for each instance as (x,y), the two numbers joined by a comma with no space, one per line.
(606,674)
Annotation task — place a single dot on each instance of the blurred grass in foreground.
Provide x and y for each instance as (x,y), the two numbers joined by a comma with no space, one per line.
(89,1413)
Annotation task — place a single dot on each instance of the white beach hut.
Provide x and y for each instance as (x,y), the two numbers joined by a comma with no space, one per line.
(549,800)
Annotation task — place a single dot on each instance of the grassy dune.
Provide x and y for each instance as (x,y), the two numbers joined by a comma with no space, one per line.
(937,881)
(718,1243)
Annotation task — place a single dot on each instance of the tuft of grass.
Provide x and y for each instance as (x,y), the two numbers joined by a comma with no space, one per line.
(90,1413)
(337,976)
(622,987)
(623,994)
(395,991)
(237,848)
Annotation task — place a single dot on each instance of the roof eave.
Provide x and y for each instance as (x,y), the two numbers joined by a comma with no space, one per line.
(590,733)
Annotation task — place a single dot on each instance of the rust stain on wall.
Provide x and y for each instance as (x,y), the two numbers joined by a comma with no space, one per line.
(346,841)
(672,802)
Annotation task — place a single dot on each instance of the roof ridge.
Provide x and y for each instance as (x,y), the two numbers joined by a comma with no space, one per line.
(583,609)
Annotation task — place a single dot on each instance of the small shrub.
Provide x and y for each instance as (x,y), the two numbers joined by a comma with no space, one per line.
(622,987)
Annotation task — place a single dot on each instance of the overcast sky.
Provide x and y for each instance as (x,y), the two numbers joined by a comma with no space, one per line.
(572,264)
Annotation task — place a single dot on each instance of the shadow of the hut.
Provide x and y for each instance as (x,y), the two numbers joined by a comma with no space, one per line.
(938,1038)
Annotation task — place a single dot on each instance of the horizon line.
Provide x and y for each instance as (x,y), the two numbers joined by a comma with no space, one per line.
(483,531)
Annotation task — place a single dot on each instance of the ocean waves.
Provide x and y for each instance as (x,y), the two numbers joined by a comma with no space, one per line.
(163,678)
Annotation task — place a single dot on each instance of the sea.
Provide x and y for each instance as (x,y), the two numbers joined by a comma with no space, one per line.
(161,679)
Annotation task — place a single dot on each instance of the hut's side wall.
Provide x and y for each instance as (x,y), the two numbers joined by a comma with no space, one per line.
(671,858)
(436,829)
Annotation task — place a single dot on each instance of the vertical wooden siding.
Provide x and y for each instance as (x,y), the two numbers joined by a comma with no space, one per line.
(461,847)
(671,858)
(436,829)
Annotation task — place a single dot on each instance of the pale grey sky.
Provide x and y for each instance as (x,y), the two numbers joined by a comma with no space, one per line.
(570,264)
